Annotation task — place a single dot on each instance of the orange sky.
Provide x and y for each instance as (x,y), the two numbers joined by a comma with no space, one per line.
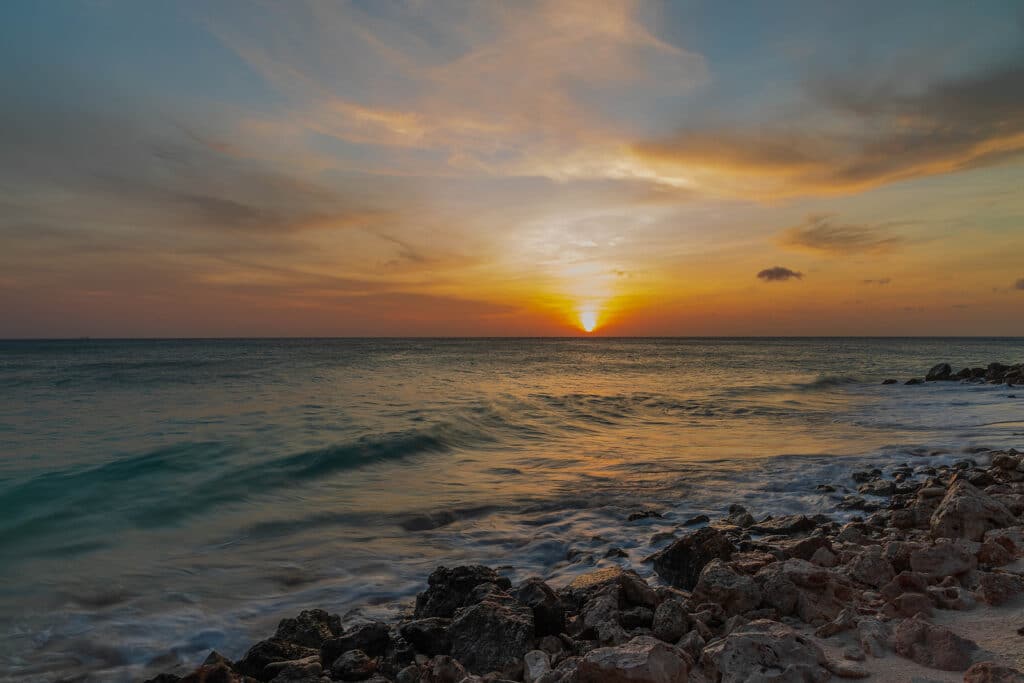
(337,169)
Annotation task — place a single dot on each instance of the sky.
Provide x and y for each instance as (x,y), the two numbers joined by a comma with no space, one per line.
(526,168)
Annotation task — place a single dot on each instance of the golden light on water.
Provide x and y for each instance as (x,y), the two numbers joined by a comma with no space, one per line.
(588,320)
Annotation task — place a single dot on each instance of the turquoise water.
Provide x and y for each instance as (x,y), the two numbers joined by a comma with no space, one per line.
(161,498)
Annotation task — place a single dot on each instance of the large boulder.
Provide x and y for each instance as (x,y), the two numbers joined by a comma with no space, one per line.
(371,638)
(966,512)
(429,636)
(548,613)
(629,588)
(871,567)
(933,646)
(265,652)
(764,651)
(720,584)
(310,628)
(450,589)
(796,587)
(642,660)
(492,635)
(943,559)
(680,564)
(940,373)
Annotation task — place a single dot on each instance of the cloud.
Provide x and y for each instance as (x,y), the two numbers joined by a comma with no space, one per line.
(880,281)
(1019,284)
(821,233)
(875,135)
(779,274)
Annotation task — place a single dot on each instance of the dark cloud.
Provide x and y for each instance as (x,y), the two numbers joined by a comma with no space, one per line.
(890,134)
(822,233)
(879,281)
(1019,284)
(779,274)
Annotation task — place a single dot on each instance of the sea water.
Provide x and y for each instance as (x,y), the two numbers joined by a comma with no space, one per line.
(159,499)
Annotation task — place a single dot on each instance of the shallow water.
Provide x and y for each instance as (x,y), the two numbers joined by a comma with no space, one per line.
(162,498)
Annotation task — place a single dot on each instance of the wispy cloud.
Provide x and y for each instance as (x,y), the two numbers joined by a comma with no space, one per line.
(779,274)
(875,135)
(823,234)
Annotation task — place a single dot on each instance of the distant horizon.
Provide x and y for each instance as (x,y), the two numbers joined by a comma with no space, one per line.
(509,337)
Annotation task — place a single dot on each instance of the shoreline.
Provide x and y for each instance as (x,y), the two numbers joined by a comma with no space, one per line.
(926,582)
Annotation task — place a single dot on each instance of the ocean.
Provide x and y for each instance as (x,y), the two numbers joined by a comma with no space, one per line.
(159,499)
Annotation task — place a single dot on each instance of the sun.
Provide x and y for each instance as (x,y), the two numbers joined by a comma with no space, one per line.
(588,320)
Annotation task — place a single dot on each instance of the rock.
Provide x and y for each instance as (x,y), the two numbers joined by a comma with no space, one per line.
(670,621)
(786,525)
(214,673)
(353,665)
(914,380)
(933,646)
(308,670)
(764,651)
(873,636)
(267,652)
(796,587)
(636,617)
(492,636)
(1012,538)
(599,619)
(996,588)
(966,512)
(310,628)
(642,660)
(720,584)
(629,587)
(890,381)
(1005,461)
(995,372)
(870,567)
(644,514)
(680,563)
(910,604)
(372,638)
(548,613)
(442,669)
(450,589)
(991,672)
(846,620)
(429,636)
(939,373)
(698,519)
(823,557)
(738,516)
(943,559)
(536,663)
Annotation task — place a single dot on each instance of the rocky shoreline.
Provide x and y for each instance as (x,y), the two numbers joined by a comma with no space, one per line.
(927,583)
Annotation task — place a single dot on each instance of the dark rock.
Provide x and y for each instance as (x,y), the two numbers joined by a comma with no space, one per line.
(996,371)
(939,373)
(311,628)
(628,587)
(216,673)
(492,636)
(670,621)
(644,514)
(914,380)
(615,552)
(636,617)
(353,665)
(429,636)
(267,652)
(548,613)
(641,660)
(680,564)
(450,589)
(890,381)
(787,525)
(372,638)
(698,519)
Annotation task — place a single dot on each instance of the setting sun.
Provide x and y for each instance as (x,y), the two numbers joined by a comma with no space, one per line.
(588,321)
